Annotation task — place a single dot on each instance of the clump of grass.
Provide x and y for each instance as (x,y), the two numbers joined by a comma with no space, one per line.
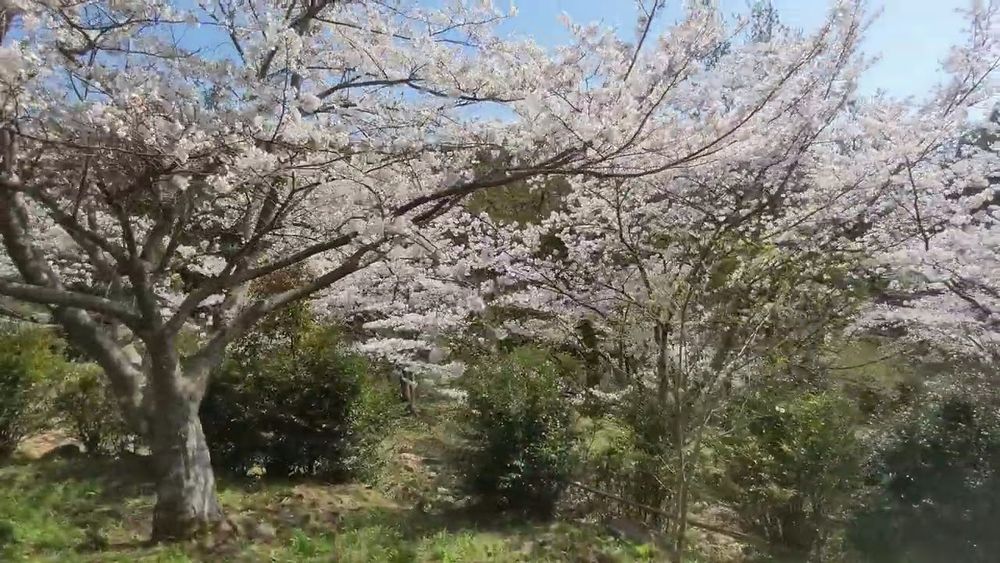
(465,546)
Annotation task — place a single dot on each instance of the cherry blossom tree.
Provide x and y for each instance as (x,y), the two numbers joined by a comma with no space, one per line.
(934,233)
(940,249)
(160,158)
(736,229)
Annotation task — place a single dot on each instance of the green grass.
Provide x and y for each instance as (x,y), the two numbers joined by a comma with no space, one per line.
(86,510)
(71,511)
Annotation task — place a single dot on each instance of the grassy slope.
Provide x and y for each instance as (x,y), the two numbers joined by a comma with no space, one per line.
(71,510)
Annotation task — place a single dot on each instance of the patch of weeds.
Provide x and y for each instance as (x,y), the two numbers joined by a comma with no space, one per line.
(306,547)
(371,543)
(448,547)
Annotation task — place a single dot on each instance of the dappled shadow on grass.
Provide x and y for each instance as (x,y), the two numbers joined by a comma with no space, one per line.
(73,506)
(99,510)
(466,535)
(98,492)
(116,478)
(85,509)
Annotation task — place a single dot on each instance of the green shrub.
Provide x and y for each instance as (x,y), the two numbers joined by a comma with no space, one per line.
(520,430)
(791,465)
(84,400)
(607,449)
(937,495)
(28,356)
(290,400)
(612,458)
(628,452)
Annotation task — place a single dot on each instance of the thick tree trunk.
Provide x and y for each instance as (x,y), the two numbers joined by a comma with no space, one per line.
(186,503)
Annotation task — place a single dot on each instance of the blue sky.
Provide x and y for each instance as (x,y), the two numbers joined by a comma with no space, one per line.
(910,36)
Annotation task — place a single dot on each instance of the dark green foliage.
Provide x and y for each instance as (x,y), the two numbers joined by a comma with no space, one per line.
(291,400)
(14,392)
(7,533)
(27,357)
(85,402)
(615,459)
(791,465)
(630,451)
(644,465)
(520,430)
(520,202)
(938,488)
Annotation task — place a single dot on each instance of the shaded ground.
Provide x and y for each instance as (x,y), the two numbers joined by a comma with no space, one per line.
(87,510)
(42,445)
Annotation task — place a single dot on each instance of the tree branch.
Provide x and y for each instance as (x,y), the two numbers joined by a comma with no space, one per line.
(199,363)
(65,298)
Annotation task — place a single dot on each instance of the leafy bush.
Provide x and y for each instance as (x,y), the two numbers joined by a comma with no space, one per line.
(84,400)
(27,357)
(611,458)
(792,465)
(520,429)
(629,452)
(607,448)
(937,494)
(290,400)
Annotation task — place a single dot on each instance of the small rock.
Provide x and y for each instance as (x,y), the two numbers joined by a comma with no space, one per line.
(226,530)
(93,540)
(266,531)
(629,530)
(259,531)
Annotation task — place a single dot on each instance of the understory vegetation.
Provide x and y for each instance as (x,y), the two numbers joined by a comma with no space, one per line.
(526,464)
(291,399)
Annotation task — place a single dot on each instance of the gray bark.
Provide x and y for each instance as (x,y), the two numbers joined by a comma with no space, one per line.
(186,502)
